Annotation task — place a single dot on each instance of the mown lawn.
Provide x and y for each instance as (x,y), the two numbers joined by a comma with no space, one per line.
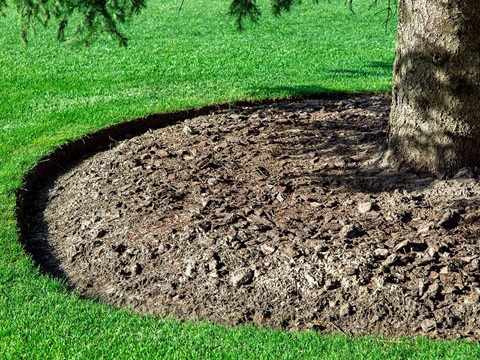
(51,93)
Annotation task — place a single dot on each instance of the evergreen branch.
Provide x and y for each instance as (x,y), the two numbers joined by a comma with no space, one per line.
(283,5)
(61,28)
(96,16)
(3,5)
(242,9)
(390,10)
(350,5)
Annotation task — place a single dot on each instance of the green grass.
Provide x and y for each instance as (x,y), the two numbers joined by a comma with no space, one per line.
(50,94)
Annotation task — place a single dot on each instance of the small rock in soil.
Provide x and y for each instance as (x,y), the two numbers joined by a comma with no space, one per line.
(365,207)
(242,277)
(345,310)
(450,220)
(350,231)
(428,325)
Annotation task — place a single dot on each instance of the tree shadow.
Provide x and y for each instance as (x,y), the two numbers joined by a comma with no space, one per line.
(34,234)
(336,141)
(296,92)
(381,66)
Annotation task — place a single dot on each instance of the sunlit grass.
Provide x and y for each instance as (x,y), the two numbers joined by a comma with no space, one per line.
(51,93)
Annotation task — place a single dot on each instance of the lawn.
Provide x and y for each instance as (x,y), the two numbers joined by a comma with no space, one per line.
(51,93)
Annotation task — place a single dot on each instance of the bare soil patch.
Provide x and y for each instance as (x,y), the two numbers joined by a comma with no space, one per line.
(267,215)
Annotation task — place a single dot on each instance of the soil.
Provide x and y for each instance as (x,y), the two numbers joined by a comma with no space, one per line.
(269,215)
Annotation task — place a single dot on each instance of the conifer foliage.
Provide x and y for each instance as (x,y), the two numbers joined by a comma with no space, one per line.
(92,17)
(242,9)
(89,17)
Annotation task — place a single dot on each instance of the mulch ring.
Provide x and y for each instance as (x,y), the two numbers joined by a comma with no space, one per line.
(268,215)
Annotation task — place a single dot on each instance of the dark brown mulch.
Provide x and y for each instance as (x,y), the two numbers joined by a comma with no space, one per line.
(268,215)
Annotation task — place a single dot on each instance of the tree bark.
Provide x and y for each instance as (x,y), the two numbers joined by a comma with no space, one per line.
(435,118)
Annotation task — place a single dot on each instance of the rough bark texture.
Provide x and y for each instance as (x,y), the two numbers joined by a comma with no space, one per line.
(434,124)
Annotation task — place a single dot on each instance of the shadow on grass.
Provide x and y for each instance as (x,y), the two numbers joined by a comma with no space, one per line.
(298,92)
(377,69)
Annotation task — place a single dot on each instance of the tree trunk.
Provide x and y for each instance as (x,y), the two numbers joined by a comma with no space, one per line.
(435,118)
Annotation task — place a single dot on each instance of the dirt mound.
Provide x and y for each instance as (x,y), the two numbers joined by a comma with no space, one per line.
(267,215)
